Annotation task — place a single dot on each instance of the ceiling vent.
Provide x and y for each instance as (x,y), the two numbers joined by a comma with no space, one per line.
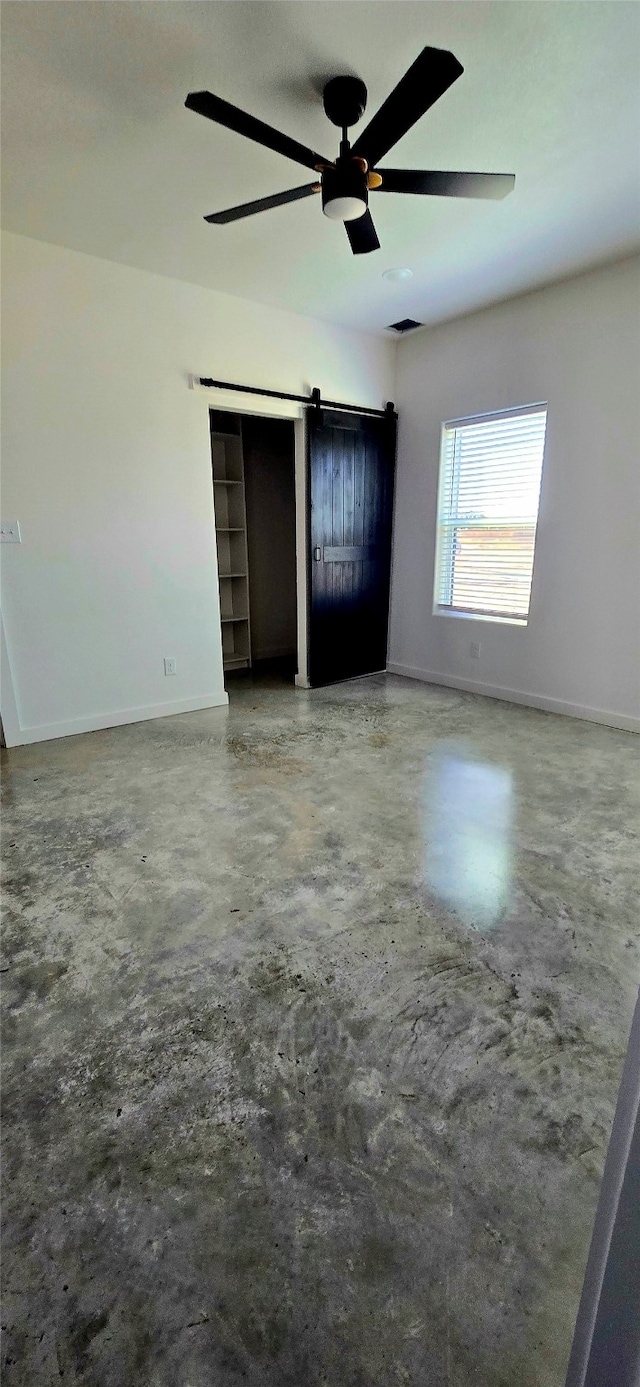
(405,325)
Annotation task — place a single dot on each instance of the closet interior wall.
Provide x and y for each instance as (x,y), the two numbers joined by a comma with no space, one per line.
(269,472)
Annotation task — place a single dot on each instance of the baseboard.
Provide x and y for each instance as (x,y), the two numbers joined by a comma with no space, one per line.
(528,700)
(48,732)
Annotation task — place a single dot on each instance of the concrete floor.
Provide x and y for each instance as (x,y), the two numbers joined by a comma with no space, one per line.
(315,1013)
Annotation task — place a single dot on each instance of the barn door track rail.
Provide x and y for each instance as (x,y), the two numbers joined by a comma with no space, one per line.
(315,399)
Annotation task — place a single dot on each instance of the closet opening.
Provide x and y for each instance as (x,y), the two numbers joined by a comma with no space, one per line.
(253,460)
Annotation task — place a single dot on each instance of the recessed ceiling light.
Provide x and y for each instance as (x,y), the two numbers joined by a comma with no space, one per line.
(397,274)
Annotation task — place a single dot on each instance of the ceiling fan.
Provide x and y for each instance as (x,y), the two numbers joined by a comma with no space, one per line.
(345,183)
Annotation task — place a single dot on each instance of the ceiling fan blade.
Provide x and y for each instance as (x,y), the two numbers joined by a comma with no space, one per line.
(435,184)
(427,79)
(446,185)
(362,234)
(214,108)
(247,209)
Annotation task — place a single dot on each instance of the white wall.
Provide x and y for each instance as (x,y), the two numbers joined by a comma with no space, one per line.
(106,465)
(577,346)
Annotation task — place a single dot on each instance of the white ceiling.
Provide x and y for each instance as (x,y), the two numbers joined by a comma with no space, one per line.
(100,154)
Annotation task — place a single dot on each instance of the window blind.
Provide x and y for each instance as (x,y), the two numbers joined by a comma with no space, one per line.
(490,473)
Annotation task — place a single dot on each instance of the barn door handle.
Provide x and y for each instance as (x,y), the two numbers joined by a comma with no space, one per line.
(317,554)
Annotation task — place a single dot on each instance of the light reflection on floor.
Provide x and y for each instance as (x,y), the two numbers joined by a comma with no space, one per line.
(468,824)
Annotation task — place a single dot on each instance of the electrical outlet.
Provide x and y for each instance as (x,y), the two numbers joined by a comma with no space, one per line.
(170,665)
(10,532)
(474,650)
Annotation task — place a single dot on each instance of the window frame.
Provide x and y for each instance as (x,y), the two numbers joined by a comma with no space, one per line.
(469,614)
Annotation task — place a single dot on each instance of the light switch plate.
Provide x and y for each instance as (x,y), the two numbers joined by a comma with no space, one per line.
(10,532)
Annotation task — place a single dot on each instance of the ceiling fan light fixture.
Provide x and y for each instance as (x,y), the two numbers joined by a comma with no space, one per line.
(344,209)
(345,194)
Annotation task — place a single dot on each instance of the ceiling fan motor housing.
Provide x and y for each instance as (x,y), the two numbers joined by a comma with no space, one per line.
(344,100)
(345,194)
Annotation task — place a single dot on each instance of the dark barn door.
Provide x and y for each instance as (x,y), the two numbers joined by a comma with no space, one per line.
(351,475)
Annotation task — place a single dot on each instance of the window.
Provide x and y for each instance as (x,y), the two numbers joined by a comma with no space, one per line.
(490,471)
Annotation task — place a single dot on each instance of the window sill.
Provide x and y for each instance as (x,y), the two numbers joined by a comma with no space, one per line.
(480,616)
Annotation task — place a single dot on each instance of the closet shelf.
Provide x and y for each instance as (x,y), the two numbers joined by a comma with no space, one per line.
(231,541)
